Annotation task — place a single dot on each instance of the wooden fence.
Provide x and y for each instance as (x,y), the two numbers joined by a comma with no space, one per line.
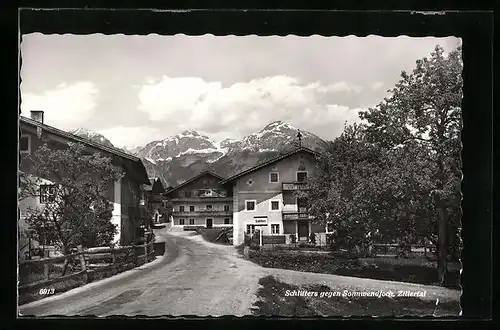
(90,262)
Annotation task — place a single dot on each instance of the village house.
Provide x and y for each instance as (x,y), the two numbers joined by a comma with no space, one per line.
(125,193)
(152,200)
(201,201)
(264,198)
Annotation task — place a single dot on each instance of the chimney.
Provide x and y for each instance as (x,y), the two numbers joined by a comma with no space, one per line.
(37,115)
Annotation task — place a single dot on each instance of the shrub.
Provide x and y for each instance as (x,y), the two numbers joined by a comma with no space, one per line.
(293,238)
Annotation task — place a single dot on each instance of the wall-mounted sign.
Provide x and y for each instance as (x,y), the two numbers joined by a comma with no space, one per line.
(260,220)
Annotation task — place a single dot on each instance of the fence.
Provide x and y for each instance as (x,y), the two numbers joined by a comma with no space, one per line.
(90,262)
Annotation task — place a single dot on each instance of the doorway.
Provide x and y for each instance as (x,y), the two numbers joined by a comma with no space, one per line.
(303,230)
(209,223)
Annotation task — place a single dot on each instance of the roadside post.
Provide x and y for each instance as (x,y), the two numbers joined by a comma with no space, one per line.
(260,221)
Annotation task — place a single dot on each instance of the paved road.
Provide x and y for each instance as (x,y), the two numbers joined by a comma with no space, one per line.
(196,278)
(193,279)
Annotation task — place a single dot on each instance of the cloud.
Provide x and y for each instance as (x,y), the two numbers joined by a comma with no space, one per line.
(131,136)
(66,106)
(243,107)
(377,85)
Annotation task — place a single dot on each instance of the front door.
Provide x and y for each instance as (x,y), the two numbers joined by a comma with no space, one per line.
(209,223)
(303,229)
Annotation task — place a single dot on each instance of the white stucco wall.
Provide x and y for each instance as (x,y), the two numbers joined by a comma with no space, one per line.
(117,210)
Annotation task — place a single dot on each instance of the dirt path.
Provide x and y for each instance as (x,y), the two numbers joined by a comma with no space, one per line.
(197,278)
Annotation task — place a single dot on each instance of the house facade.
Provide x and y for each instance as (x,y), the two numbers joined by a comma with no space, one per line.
(201,201)
(264,198)
(124,193)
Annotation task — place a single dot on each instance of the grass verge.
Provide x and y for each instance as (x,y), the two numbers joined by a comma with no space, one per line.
(274,301)
(380,269)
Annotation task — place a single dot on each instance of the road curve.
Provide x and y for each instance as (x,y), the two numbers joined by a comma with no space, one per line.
(192,279)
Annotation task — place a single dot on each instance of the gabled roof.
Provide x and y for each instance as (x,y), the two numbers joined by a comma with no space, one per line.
(138,165)
(194,179)
(269,162)
(157,186)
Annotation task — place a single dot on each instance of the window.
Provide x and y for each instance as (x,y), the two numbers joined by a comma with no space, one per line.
(273,177)
(275,229)
(187,193)
(250,229)
(181,222)
(209,207)
(227,221)
(191,221)
(25,144)
(47,193)
(329,227)
(226,208)
(191,208)
(301,176)
(181,208)
(250,205)
(275,205)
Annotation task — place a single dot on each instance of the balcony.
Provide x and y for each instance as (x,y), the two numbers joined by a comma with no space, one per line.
(209,213)
(293,186)
(202,199)
(296,216)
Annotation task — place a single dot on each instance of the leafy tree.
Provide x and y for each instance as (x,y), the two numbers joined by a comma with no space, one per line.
(396,177)
(78,212)
(338,188)
(425,109)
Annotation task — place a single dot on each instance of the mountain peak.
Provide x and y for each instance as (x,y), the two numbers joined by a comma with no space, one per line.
(189,132)
(92,136)
(277,125)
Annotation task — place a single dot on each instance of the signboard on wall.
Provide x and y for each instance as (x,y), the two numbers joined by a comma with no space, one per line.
(260,220)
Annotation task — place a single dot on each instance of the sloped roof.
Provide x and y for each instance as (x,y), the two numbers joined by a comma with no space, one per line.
(269,162)
(138,165)
(157,186)
(194,179)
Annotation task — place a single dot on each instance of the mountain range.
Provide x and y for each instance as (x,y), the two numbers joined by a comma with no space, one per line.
(180,157)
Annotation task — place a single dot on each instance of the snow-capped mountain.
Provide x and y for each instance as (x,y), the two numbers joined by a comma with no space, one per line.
(183,145)
(92,136)
(178,158)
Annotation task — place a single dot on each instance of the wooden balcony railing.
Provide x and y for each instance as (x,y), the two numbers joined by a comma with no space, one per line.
(292,186)
(296,216)
(188,213)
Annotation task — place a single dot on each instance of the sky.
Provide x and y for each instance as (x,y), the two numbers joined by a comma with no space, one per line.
(137,89)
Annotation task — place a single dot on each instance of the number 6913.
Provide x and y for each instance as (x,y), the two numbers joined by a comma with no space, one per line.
(46,291)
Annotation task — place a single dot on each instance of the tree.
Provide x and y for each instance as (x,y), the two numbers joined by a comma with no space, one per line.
(425,110)
(76,210)
(339,188)
(396,177)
